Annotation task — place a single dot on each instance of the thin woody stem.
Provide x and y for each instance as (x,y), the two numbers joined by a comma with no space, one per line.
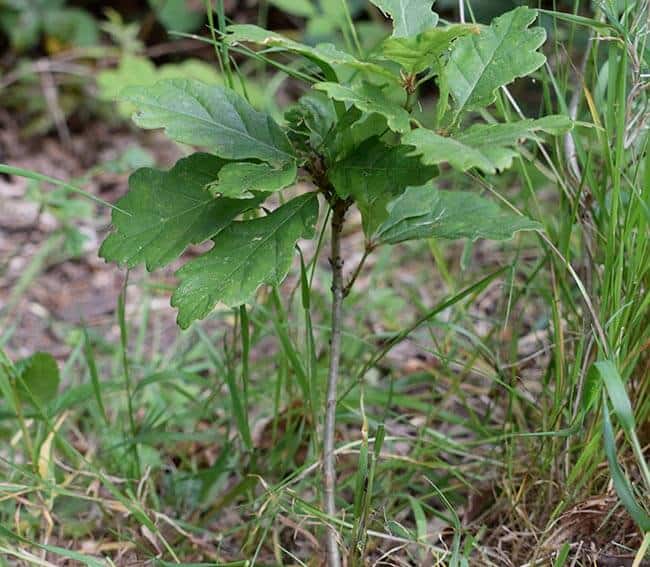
(357,271)
(339,207)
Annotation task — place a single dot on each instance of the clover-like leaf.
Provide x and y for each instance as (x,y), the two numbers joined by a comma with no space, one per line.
(209,116)
(166,211)
(374,174)
(238,178)
(426,212)
(410,17)
(326,56)
(419,52)
(371,99)
(501,52)
(245,255)
(488,147)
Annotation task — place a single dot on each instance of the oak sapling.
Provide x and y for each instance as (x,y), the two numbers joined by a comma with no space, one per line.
(354,135)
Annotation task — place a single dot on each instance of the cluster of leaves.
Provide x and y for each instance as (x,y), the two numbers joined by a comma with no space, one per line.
(354,136)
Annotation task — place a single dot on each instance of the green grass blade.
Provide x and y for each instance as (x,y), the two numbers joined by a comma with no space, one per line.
(89,355)
(233,390)
(617,394)
(621,483)
(20,172)
(126,369)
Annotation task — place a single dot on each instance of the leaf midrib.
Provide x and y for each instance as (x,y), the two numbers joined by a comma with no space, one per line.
(228,279)
(243,133)
(264,241)
(163,221)
(485,65)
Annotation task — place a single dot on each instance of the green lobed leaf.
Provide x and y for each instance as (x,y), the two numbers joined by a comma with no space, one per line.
(238,178)
(210,116)
(426,212)
(503,51)
(488,147)
(369,98)
(38,378)
(166,211)
(410,17)
(419,52)
(326,56)
(374,174)
(245,255)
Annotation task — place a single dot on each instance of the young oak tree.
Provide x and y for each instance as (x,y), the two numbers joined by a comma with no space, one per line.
(354,136)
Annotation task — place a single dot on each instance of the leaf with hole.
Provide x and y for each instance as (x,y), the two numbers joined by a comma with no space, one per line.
(236,179)
(427,212)
(166,211)
(500,53)
(245,255)
(210,116)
